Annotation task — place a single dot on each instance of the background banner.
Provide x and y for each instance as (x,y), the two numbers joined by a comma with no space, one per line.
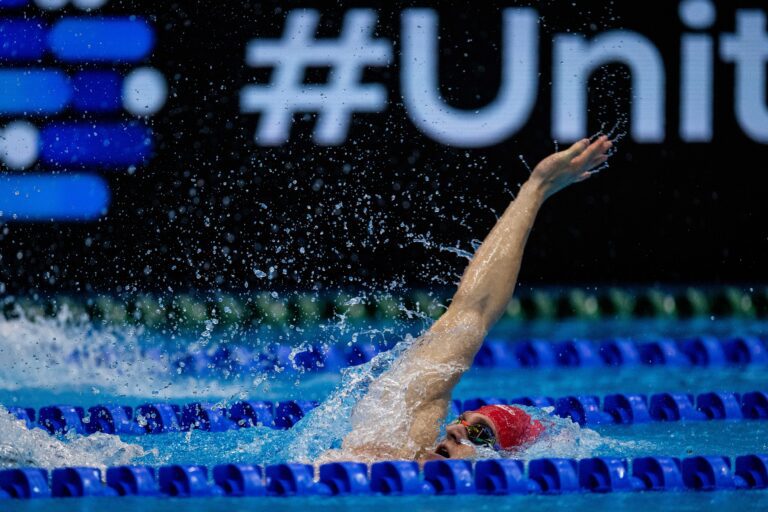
(236,145)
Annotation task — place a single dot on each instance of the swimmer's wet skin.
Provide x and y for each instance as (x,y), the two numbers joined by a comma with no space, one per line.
(401,415)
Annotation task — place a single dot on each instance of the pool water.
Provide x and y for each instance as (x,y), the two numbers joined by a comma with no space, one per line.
(724,501)
(34,378)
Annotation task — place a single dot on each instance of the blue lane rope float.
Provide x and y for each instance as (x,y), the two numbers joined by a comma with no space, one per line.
(234,360)
(160,418)
(395,478)
(702,351)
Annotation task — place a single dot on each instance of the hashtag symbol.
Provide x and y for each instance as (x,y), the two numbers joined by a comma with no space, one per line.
(335,101)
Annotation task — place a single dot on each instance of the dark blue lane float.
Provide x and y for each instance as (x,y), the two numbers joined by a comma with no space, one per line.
(554,476)
(627,408)
(584,410)
(158,418)
(620,352)
(112,419)
(253,413)
(395,478)
(208,417)
(590,410)
(674,407)
(186,481)
(62,419)
(754,405)
(502,476)
(77,482)
(133,481)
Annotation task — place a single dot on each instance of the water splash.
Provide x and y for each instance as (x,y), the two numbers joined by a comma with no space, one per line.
(458,252)
(325,427)
(22,447)
(525,163)
(54,353)
(566,439)
(59,354)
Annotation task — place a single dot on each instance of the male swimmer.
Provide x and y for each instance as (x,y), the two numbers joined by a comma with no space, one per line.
(401,414)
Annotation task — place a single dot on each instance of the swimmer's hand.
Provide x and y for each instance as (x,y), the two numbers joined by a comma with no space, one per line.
(572,165)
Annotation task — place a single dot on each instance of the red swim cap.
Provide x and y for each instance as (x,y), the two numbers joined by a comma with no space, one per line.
(514,426)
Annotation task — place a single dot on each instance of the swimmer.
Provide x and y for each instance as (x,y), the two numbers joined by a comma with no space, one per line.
(402,412)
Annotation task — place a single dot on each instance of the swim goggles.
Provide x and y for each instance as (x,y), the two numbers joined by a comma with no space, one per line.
(480,435)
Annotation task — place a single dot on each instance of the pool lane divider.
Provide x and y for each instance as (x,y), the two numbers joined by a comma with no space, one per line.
(395,478)
(161,418)
(702,351)
(192,310)
(586,410)
(693,351)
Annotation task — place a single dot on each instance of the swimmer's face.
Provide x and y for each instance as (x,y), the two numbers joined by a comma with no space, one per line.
(456,444)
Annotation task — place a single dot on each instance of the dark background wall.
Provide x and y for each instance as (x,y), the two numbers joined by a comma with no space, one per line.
(213,209)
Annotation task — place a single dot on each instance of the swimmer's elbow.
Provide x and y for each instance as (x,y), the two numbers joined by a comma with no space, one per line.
(472,320)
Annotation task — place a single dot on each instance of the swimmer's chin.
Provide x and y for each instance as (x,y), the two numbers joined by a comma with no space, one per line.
(428,456)
(368,453)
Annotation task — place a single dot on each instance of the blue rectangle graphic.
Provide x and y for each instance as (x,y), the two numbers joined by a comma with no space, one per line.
(4,4)
(22,39)
(101,39)
(95,144)
(97,91)
(45,197)
(33,91)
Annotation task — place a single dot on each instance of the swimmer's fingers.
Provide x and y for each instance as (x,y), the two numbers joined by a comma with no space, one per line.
(593,164)
(577,148)
(584,176)
(597,161)
(596,151)
(587,174)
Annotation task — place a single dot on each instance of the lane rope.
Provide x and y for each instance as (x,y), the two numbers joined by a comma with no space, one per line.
(395,478)
(192,310)
(235,361)
(161,418)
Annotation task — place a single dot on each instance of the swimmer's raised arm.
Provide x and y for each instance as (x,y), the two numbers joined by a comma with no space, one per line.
(412,397)
(490,278)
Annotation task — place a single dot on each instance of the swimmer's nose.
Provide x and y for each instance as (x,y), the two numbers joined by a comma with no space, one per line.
(456,432)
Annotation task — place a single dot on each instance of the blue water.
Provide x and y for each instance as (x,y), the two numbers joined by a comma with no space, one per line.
(683,502)
(34,374)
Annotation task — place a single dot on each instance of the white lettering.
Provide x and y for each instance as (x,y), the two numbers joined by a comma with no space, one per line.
(497,121)
(696,95)
(748,49)
(574,61)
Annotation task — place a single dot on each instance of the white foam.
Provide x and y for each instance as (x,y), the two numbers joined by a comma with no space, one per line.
(66,353)
(565,439)
(20,446)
